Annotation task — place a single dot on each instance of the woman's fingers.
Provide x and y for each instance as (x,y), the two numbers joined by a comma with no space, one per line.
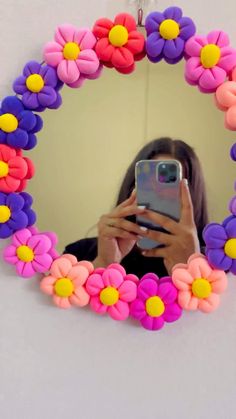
(122,212)
(110,231)
(187,216)
(127,226)
(129,200)
(156,253)
(159,237)
(165,222)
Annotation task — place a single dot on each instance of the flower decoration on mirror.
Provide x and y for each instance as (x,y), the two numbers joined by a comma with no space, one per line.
(111,291)
(167,34)
(18,125)
(15,169)
(226,101)
(39,87)
(210,59)
(66,281)
(220,242)
(30,252)
(15,213)
(199,284)
(156,302)
(72,54)
(119,43)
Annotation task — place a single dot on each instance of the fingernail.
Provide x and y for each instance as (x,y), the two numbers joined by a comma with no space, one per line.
(144,253)
(142,207)
(186,182)
(143,228)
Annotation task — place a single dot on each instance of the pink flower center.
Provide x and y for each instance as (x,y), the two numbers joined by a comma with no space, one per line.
(71,51)
(201,288)
(25,254)
(64,287)
(210,55)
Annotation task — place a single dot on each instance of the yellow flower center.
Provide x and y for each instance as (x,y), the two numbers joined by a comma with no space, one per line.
(210,55)
(25,253)
(8,122)
(230,248)
(155,306)
(4,169)
(118,36)
(5,214)
(64,287)
(169,29)
(35,83)
(201,288)
(109,296)
(71,51)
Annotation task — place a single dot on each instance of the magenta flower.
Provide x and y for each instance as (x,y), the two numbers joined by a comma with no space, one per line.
(72,53)
(210,60)
(111,291)
(156,302)
(31,252)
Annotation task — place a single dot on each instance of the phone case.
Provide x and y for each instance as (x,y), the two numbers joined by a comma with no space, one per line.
(156,195)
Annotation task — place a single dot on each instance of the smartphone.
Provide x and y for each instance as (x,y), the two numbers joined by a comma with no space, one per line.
(158,188)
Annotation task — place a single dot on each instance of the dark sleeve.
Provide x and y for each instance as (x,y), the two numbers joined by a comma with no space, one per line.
(85,249)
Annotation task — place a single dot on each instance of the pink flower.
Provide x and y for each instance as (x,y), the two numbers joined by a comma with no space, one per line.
(73,54)
(31,251)
(210,60)
(66,281)
(111,291)
(199,284)
(226,101)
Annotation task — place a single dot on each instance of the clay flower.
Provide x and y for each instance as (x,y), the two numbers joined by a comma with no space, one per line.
(199,284)
(111,291)
(210,59)
(226,101)
(156,302)
(72,54)
(66,281)
(167,34)
(15,170)
(220,242)
(17,125)
(15,213)
(30,252)
(119,43)
(39,87)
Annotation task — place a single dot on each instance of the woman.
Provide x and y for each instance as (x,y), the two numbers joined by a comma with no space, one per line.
(117,235)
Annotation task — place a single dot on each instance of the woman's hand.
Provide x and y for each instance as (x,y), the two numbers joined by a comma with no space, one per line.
(116,235)
(183,240)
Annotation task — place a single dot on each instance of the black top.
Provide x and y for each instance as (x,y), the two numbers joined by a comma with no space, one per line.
(134,262)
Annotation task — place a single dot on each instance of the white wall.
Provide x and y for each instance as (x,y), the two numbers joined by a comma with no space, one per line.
(56,364)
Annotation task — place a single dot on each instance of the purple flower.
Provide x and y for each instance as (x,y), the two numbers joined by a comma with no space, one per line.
(220,242)
(156,302)
(167,34)
(18,125)
(15,213)
(39,87)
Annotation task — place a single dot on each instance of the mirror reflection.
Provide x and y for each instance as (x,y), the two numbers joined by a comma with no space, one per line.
(87,145)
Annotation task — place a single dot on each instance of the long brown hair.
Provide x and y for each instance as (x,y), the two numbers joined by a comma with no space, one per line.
(192,169)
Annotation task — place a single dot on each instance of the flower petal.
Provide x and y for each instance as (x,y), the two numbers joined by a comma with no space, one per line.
(174,13)
(25,269)
(18,138)
(182,279)
(53,54)
(102,28)
(122,57)
(61,301)
(78,274)
(112,278)
(87,62)
(173,48)
(153,21)
(40,244)
(97,306)
(47,285)
(187,28)
(80,297)
(135,42)
(209,304)
(60,267)
(199,268)
(9,255)
(126,20)
(147,288)
(104,50)
(94,284)
(194,46)
(21,237)
(65,33)
(187,301)
(167,292)
(68,71)
(152,323)
(119,311)
(214,235)
(211,78)
(219,38)
(42,263)
(228,59)
(172,313)
(193,69)
(128,291)
(155,44)
(84,38)
(219,259)
(137,309)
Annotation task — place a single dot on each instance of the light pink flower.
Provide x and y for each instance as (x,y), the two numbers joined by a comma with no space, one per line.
(199,284)
(210,60)
(66,281)
(72,53)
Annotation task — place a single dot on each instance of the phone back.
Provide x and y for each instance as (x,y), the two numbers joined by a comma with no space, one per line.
(158,188)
